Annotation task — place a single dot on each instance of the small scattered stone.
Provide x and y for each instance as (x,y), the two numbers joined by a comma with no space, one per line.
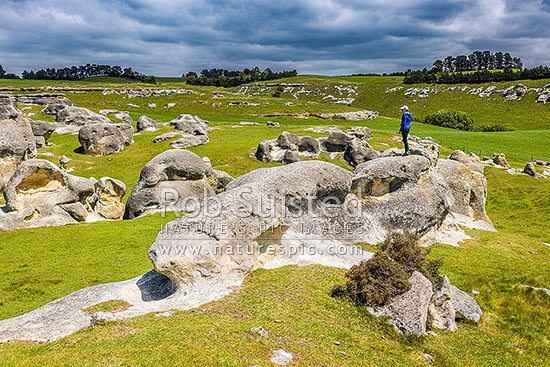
(431,333)
(164,314)
(337,343)
(281,358)
(260,331)
(428,357)
(278,321)
(532,252)
(474,292)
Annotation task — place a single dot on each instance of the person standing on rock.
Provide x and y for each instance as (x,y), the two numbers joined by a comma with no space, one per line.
(406,120)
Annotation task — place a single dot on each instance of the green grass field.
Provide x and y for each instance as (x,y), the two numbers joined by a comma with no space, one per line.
(42,264)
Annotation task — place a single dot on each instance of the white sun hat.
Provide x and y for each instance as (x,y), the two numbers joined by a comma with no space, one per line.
(405,108)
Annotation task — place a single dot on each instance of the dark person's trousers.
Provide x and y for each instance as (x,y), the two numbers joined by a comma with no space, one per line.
(405,135)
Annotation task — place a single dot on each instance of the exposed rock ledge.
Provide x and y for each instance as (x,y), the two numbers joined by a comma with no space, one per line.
(185,278)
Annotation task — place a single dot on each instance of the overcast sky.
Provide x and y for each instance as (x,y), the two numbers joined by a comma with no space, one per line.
(333,37)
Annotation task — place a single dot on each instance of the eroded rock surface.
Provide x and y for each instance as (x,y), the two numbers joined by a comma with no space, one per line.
(145,123)
(99,139)
(40,194)
(79,116)
(189,124)
(17,144)
(167,180)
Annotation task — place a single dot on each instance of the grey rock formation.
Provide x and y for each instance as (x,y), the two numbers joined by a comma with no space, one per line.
(337,141)
(387,186)
(165,136)
(530,169)
(409,310)
(53,101)
(500,160)
(42,131)
(465,306)
(189,124)
(359,151)
(223,178)
(8,109)
(188,141)
(17,144)
(286,140)
(79,116)
(468,189)
(99,139)
(273,124)
(40,194)
(441,310)
(145,123)
(169,181)
(124,116)
(471,161)
(288,148)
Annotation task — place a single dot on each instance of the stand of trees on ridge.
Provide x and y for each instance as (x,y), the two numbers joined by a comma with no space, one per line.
(82,72)
(225,78)
(481,76)
(4,75)
(478,67)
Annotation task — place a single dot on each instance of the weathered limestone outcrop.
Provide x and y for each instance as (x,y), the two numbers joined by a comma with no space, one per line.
(42,131)
(145,123)
(99,139)
(79,116)
(189,124)
(40,194)
(17,144)
(424,305)
(188,141)
(168,180)
(471,160)
(268,218)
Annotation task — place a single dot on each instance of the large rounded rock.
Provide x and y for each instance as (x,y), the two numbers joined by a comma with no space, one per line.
(286,140)
(105,138)
(468,189)
(79,116)
(309,145)
(145,123)
(169,181)
(40,194)
(409,310)
(17,144)
(402,193)
(189,124)
(358,152)
(471,161)
(465,306)
(188,141)
(255,211)
(337,141)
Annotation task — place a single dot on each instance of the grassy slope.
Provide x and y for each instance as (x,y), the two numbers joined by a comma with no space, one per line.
(512,332)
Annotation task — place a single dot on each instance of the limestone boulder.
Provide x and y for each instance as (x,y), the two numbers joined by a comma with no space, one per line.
(124,116)
(530,169)
(188,141)
(246,217)
(189,124)
(100,139)
(286,140)
(41,194)
(359,151)
(499,159)
(464,305)
(165,136)
(17,144)
(471,160)
(309,145)
(169,181)
(468,189)
(79,116)
(402,193)
(409,310)
(145,123)
(223,178)
(337,141)
(441,309)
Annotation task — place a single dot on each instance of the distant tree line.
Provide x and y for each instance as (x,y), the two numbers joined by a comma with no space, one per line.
(395,73)
(4,75)
(86,71)
(477,60)
(480,76)
(226,78)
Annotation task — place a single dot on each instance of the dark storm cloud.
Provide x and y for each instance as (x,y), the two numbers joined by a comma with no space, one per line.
(314,36)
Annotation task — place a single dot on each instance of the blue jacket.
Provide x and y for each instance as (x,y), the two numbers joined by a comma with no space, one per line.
(406,120)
